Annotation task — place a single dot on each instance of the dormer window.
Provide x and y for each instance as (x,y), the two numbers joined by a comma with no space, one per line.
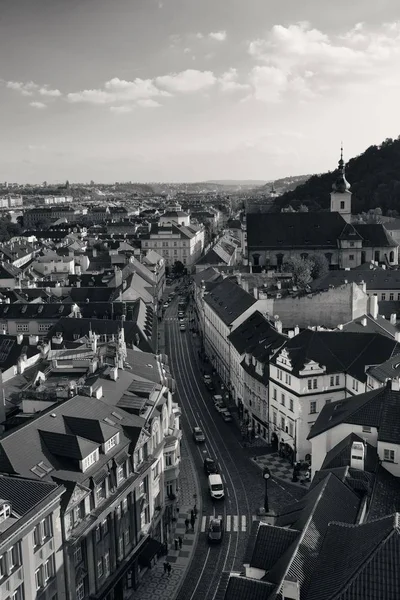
(5,511)
(90,460)
(111,443)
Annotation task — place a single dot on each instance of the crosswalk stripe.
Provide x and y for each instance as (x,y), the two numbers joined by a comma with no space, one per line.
(203,523)
(243,522)
(235,522)
(228,522)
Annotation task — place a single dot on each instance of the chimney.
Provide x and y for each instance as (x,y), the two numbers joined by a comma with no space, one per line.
(290,589)
(397,336)
(296,330)
(373,306)
(278,324)
(363,286)
(33,340)
(364,321)
(340,327)
(393,319)
(394,385)
(291,333)
(357,456)
(255,292)
(20,338)
(278,285)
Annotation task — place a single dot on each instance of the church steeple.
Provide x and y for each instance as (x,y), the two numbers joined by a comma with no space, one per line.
(341,194)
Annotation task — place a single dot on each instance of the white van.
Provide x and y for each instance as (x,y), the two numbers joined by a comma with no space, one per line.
(215,486)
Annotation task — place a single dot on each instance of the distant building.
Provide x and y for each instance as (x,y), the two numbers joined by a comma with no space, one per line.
(175,243)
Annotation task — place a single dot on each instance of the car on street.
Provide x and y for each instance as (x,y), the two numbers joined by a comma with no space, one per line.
(220,406)
(210,466)
(217,398)
(216,486)
(210,386)
(215,531)
(198,435)
(207,378)
(166,304)
(182,327)
(181,314)
(226,415)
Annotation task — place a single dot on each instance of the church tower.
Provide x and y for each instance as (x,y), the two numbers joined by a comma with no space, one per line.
(341,194)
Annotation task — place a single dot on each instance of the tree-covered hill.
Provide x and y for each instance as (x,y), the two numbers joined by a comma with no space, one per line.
(374,176)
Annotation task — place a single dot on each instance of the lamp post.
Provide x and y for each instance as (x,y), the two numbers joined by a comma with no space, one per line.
(266,476)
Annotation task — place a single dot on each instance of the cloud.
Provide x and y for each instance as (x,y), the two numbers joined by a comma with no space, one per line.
(46,91)
(186,50)
(119,110)
(229,82)
(304,61)
(38,105)
(199,36)
(187,81)
(26,89)
(148,103)
(218,36)
(118,90)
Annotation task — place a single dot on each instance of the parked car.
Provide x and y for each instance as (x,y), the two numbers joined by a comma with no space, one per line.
(198,435)
(210,466)
(207,378)
(181,314)
(226,415)
(216,486)
(210,386)
(215,530)
(166,304)
(217,398)
(182,327)
(220,406)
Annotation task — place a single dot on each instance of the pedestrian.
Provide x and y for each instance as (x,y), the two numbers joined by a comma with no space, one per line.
(176,543)
(192,520)
(187,523)
(180,540)
(165,567)
(169,569)
(195,511)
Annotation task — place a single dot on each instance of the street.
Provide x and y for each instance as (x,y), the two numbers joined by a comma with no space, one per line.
(243,483)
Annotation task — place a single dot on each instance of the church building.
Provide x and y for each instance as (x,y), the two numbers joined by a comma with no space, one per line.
(273,238)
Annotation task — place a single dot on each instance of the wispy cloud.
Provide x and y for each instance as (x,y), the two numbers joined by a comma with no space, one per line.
(38,105)
(229,82)
(187,81)
(148,103)
(120,110)
(218,36)
(30,88)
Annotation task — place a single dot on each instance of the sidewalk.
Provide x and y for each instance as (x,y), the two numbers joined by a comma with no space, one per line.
(279,467)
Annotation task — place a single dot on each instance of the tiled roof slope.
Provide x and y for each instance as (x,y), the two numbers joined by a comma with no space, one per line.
(375,279)
(241,588)
(375,234)
(256,334)
(228,300)
(359,562)
(24,494)
(340,351)
(271,542)
(293,230)
(339,455)
(331,500)
(378,408)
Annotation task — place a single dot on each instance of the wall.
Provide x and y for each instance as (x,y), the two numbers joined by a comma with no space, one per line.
(327,309)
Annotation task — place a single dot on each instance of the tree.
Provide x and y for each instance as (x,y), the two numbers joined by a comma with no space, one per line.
(300,269)
(319,265)
(178,267)
(303,208)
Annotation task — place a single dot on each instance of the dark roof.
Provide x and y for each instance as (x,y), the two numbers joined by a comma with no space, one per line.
(349,233)
(375,235)
(228,300)
(385,494)
(8,271)
(375,279)
(339,351)
(339,455)
(379,325)
(209,274)
(358,562)
(330,500)
(293,230)
(256,334)
(378,408)
(241,588)
(24,494)
(270,543)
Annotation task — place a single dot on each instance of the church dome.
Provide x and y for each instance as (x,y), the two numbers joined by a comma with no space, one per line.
(341,184)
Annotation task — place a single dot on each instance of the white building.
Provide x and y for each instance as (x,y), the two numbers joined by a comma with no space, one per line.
(174,243)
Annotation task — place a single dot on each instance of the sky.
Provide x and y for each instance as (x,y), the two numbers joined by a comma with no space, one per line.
(192,90)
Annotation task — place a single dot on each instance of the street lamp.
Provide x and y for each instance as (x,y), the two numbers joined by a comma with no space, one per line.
(266,476)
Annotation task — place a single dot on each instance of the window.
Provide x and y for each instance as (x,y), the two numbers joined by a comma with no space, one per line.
(101,492)
(355,385)
(90,460)
(274,418)
(309,384)
(315,384)
(337,379)
(118,512)
(124,505)
(383,297)
(3,566)
(332,380)
(388,455)
(78,555)
(156,470)
(38,578)
(127,537)
(291,404)
(80,591)
(49,568)
(170,488)
(169,459)
(100,570)
(97,534)
(398,296)
(273,393)
(279,374)
(104,527)
(120,474)
(391,296)
(288,379)
(22,327)
(44,326)
(106,562)
(351,256)
(37,536)
(283,423)
(290,428)
(366,429)
(4,327)
(342,205)
(47,527)
(14,559)
(283,399)
(111,443)
(120,551)
(19,593)
(313,407)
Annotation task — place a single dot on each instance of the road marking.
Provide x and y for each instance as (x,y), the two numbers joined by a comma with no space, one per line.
(244,523)
(228,522)
(203,524)
(235,522)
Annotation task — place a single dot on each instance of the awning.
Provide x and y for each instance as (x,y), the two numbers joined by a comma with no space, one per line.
(149,552)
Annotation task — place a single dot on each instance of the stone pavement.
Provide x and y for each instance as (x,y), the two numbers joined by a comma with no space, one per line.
(279,467)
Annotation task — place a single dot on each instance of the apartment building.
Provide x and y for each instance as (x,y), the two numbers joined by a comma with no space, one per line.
(52,213)
(174,243)
(316,368)
(31,555)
